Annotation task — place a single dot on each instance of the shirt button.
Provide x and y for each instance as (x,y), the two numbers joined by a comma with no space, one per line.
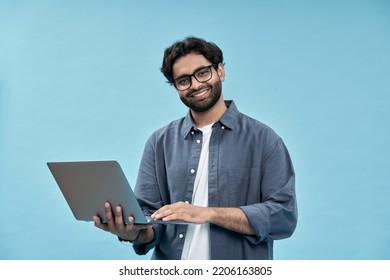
(192,171)
(181,236)
(192,132)
(223,127)
(198,141)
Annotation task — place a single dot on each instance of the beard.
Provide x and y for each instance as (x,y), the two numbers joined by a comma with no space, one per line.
(206,104)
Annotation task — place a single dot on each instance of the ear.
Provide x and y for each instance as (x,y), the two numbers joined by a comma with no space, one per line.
(221,72)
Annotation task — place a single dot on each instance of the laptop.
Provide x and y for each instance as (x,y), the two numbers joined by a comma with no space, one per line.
(87,185)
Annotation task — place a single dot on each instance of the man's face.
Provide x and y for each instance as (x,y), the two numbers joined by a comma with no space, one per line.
(200,97)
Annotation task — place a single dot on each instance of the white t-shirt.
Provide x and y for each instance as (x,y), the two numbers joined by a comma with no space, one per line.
(197,242)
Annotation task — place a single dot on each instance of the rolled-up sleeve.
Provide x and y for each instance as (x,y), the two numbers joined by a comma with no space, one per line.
(275,217)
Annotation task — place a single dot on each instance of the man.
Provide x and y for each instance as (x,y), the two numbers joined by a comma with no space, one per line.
(229,175)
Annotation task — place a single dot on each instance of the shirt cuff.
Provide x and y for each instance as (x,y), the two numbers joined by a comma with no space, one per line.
(258,217)
(144,248)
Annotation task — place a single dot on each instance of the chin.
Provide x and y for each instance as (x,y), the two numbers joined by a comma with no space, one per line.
(203,105)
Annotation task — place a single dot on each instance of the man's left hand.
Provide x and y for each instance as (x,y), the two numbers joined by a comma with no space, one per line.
(181,211)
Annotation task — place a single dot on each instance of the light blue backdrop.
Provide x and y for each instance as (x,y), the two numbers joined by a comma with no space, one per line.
(80,80)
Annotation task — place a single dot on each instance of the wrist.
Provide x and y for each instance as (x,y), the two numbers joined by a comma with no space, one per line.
(143,236)
(211,213)
(124,240)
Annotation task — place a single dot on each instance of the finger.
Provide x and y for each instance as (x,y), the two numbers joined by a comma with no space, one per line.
(133,230)
(161,214)
(99,224)
(181,211)
(184,217)
(163,211)
(167,210)
(119,218)
(130,223)
(109,215)
(157,212)
(132,226)
(171,217)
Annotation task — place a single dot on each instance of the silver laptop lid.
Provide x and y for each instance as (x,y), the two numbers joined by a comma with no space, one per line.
(87,185)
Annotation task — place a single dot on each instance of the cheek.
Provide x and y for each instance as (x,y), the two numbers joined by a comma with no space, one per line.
(182,95)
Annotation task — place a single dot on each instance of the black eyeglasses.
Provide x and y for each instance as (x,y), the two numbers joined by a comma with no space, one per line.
(202,75)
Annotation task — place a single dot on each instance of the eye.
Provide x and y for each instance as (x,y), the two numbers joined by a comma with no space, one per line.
(183,81)
(203,72)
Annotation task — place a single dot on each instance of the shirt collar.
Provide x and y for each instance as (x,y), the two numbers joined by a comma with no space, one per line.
(228,119)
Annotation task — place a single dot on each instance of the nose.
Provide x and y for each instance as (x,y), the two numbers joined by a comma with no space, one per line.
(195,83)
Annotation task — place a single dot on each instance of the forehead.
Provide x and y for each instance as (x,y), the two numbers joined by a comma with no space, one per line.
(187,64)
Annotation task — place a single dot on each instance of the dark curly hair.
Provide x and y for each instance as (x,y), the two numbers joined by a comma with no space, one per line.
(190,44)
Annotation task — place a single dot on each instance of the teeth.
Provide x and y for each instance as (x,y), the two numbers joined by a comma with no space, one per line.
(200,93)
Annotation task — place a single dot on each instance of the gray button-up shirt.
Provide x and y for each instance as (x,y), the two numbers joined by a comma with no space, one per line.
(249,168)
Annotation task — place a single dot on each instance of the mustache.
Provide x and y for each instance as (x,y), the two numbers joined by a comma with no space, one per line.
(202,87)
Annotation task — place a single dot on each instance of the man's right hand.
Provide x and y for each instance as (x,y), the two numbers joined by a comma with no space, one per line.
(116,225)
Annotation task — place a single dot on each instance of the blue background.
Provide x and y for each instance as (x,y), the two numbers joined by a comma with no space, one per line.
(80,80)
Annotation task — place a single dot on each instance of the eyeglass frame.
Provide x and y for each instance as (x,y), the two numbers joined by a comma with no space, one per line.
(193,75)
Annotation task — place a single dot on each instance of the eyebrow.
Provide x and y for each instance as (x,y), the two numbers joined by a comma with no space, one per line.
(185,75)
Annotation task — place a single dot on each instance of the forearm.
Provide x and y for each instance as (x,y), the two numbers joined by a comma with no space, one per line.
(230,218)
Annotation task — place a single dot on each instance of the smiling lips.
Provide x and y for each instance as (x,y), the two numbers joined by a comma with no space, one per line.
(199,94)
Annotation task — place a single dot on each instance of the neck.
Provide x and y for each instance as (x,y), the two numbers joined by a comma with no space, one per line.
(210,116)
